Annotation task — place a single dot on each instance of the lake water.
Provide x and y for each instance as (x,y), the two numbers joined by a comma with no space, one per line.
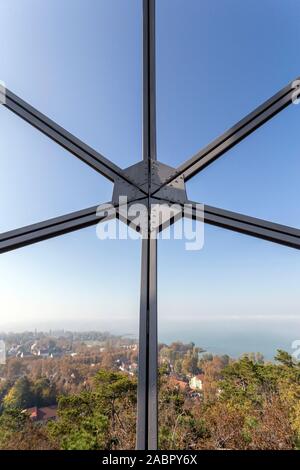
(237,337)
(232,336)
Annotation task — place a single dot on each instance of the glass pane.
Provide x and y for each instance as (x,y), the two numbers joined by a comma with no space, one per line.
(236,297)
(259,176)
(69,320)
(39,179)
(79,62)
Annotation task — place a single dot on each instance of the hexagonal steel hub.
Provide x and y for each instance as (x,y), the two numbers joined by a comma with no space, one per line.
(171,192)
(146,184)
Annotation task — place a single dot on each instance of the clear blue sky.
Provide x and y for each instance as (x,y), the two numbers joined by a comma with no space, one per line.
(79,62)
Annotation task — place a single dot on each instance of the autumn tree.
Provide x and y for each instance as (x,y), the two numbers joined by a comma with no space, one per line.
(103,418)
(20,395)
(17,432)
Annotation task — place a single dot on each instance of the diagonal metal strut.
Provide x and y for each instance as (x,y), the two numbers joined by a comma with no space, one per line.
(62,137)
(147,419)
(259,228)
(54,227)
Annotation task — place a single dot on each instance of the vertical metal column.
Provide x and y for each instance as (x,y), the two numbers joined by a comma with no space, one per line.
(147,380)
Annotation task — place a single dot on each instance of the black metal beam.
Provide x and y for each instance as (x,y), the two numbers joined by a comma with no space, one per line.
(68,141)
(147,377)
(236,134)
(148,363)
(149,86)
(245,224)
(54,227)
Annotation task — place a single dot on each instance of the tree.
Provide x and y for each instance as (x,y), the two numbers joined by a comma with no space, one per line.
(20,395)
(103,418)
(190,364)
(179,426)
(212,373)
(285,359)
(15,368)
(17,432)
(178,366)
(44,392)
